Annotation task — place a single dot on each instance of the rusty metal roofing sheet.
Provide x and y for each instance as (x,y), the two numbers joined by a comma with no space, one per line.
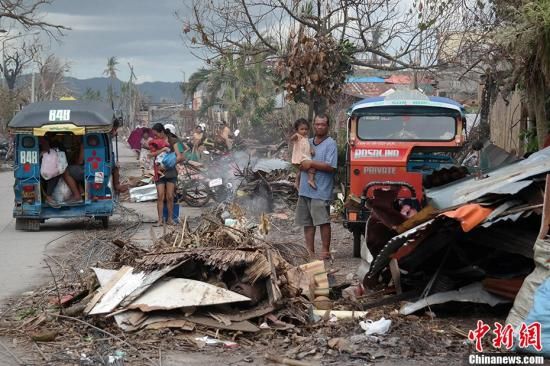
(365,90)
(509,179)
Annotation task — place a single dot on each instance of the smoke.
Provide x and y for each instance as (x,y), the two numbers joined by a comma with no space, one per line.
(250,191)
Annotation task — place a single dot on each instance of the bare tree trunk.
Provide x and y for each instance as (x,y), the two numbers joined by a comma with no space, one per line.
(536,96)
(311,106)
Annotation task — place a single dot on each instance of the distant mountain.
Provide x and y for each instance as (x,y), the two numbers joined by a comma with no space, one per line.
(156,91)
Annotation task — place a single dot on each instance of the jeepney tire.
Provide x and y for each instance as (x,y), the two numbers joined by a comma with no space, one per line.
(27,224)
(104,221)
(357,236)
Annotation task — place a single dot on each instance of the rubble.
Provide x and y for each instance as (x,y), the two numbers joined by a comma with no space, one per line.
(473,242)
(212,276)
(265,184)
(221,281)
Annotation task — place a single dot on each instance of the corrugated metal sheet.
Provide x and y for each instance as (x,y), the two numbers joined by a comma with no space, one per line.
(269,165)
(365,90)
(508,179)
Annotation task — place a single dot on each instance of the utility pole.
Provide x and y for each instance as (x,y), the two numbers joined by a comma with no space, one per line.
(131,97)
(32,86)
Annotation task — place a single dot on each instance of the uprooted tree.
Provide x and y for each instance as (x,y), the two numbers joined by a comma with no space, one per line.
(314,44)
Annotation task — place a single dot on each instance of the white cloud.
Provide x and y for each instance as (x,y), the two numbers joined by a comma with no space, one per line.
(144,33)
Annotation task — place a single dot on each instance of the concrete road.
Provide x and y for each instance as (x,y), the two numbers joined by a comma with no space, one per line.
(22,253)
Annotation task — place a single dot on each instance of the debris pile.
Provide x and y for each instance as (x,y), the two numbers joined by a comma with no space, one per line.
(214,276)
(266,185)
(472,243)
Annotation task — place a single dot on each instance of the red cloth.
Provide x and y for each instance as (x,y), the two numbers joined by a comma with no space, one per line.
(158,144)
(154,146)
(134,140)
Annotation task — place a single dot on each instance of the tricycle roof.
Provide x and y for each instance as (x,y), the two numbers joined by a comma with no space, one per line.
(83,114)
(407,98)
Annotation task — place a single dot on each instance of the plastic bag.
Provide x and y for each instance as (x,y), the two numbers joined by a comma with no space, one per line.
(61,162)
(49,166)
(169,160)
(381,326)
(61,192)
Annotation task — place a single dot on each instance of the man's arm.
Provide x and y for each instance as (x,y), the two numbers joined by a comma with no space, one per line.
(329,165)
(317,165)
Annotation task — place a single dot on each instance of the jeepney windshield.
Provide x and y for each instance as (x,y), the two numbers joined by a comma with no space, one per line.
(407,123)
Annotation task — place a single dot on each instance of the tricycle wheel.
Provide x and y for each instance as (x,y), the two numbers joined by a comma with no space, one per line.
(27,224)
(196,193)
(357,234)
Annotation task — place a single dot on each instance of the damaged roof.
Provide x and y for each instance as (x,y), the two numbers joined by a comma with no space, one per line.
(509,179)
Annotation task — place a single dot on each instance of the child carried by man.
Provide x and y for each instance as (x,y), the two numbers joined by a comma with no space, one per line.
(302,150)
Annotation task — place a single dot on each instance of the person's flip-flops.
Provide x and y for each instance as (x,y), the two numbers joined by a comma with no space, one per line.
(53,203)
(157,224)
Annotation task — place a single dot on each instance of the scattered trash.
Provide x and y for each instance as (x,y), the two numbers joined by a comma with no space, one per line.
(45,336)
(341,314)
(143,193)
(213,342)
(380,326)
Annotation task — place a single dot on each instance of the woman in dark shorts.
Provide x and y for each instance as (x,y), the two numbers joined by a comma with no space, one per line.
(166,185)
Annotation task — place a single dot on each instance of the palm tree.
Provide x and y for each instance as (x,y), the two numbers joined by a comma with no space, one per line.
(110,71)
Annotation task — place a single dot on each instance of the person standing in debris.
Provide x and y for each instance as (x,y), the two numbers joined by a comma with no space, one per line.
(196,144)
(226,135)
(313,208)
(166,185)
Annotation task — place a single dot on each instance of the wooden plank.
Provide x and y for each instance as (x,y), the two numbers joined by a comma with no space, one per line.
(176,293)
(244,326)
(319,273)
(160,321)
(273,290)
(248,314)
(108,287)
(148,281)
(124,286)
